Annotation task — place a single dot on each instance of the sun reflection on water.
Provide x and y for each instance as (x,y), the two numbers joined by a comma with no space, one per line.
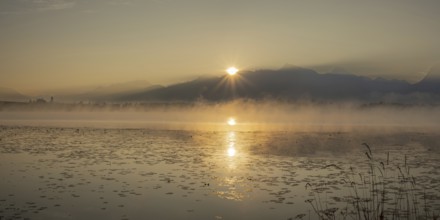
(231,151)
(232,185)
(232,122)
(231,144)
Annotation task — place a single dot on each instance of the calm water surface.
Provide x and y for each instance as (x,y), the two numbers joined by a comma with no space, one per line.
(77,172)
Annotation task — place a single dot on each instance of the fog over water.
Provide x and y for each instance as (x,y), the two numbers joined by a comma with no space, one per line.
(247,114)
(233,160)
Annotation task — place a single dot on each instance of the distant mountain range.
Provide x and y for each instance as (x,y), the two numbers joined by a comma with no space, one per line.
(431,83)
(101,93)
(110,92)
(8,94)
(289,83)
(292,84)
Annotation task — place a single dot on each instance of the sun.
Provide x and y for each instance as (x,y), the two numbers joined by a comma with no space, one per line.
(232,70)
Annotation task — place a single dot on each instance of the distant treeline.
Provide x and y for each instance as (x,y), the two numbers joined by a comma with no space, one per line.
(89,106)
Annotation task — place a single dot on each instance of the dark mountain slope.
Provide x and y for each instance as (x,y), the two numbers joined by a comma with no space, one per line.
(292,84)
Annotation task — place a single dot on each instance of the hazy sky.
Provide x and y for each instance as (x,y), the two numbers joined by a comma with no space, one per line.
(47,44)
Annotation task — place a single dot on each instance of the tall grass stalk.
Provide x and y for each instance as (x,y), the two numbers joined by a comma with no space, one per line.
(383,191)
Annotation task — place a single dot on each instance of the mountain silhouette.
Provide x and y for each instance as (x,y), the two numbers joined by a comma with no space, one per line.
(288,83)
(292,83)
(109,92)
(8,94)
(431,82)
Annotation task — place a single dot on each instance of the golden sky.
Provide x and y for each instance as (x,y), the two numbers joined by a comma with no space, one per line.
(50,44)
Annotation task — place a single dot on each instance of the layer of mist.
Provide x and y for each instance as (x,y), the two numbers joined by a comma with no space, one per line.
(247,114)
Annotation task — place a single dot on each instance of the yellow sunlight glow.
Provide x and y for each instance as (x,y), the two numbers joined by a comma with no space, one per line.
(231,122)
(231,151)
(232,70)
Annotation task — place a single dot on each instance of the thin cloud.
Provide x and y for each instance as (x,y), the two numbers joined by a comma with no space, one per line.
(121,2)
(29,6)
(48,5)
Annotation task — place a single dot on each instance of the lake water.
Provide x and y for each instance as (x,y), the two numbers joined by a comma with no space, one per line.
(96,170)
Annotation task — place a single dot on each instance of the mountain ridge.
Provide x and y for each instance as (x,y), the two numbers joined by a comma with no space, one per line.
(288,83)
(8,94)
(292,83)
